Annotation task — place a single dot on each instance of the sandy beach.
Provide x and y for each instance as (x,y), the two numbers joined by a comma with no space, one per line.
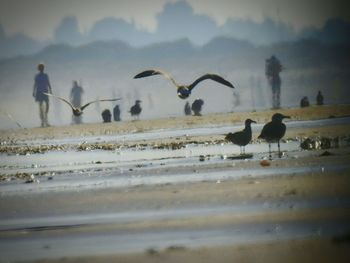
(177,208)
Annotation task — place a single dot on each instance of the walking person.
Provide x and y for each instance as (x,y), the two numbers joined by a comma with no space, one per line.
(273,68)
(75,99)
(41,85)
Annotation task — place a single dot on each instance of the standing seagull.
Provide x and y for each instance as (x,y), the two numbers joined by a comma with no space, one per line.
(241,138)
(183,91)
(273,131)
(136,109)
(77,111)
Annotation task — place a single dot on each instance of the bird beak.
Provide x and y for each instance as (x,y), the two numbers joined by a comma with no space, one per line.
(253,121)
(286,117)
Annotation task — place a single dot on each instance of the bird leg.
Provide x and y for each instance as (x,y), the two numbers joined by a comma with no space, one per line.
(279,149)
(270,156)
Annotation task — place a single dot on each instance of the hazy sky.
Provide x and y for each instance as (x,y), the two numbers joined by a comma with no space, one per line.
(39,18)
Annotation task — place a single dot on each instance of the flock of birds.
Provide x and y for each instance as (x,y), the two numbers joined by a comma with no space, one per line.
(272,131)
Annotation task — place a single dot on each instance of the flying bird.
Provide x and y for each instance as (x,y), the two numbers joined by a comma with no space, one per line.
(241,138)
(77,111)
(184,91)
(273,131)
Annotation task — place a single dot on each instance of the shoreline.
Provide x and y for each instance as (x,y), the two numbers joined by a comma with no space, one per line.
(124,127)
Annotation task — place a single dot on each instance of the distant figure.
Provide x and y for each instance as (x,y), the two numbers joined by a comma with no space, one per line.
(304,102)
(273,68)
(184,91)
(274,131)
(236,101)
(116,113)
(106,115)
(241,138)
(319,98)
(150,101)
(187,109)
(41,86)
(197,107)
(77,111)
(75,98)
(136,109)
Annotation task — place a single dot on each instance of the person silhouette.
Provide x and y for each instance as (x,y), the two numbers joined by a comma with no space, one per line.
(42,85)
(187,109)
(75,98)
(273,67)
(116,113)
(319,98)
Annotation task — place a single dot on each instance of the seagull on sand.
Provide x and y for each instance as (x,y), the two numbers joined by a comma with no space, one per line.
(241,138)
(273,131)
(77,111)
(136,109)
(184,91)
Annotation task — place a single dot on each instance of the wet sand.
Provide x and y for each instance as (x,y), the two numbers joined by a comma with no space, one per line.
(311,250)
(278,189)
(94,129)
(316,198)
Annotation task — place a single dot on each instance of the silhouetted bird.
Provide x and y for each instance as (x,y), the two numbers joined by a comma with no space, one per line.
(273,131)
(187,109)
(197,107)
(304,102)
(106,115)
(184,91)
(319,98)
(241,138)
(77,111)
(136,109)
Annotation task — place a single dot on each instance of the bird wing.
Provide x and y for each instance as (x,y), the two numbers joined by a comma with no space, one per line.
(152,72)
(214,77)
(265,130)
(87,104)
(66,101)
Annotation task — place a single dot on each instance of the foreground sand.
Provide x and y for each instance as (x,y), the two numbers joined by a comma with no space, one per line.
(163,197)
(282,251)
(331,249)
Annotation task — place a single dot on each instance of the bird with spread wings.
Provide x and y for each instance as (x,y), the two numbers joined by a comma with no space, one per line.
(184,91)
(77,111)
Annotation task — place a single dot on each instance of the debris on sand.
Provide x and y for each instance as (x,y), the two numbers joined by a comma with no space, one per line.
(320,143)
(290,192)
(31,179)
(176,248)
(341,239)
(241,156)
(152,251)
(202,158)
(265,163)
(326,153)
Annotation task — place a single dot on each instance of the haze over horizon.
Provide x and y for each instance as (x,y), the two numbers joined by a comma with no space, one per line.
(190,38)
(28,26)
(38,19)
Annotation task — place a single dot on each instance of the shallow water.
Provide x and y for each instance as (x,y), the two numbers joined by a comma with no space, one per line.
(169,133)
(77,160)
